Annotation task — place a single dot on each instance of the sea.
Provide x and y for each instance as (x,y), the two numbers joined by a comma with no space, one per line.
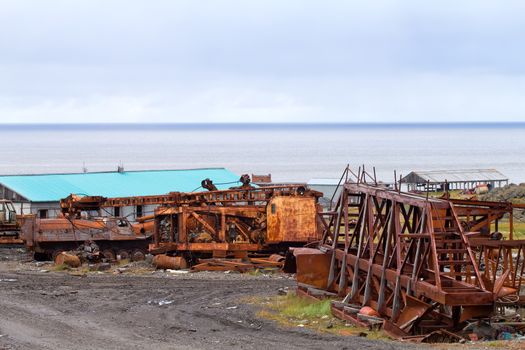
(289,152)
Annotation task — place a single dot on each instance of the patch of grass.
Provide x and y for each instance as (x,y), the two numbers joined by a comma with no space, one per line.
(294,311)
(83,269)
(255,272)
(61,267)
(263,271)
(123,262)
(454,194)
(495,344)
(141,270)
(297,307)
(504,227)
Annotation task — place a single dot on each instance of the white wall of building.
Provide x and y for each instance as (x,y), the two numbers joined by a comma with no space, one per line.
(53,210)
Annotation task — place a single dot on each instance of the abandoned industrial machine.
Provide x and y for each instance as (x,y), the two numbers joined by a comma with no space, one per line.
(9,225)
(112,236)
(217,223)
(236,222)
(412,259)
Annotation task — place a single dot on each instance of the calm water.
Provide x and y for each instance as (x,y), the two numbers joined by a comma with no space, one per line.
(289,153)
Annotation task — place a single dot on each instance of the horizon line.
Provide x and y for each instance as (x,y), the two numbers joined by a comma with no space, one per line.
(270,125)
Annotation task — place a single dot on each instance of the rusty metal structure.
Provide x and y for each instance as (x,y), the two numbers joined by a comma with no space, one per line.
(502,259)
(114,236)
(484,216)
(412,258)
(217,223)
(235,222)
(9,225)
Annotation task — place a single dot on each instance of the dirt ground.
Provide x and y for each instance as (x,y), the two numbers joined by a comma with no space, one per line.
(45,309)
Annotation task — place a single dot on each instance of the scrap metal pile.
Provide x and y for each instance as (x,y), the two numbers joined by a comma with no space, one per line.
(413,261)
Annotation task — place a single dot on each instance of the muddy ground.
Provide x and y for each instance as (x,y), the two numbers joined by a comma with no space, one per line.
(45,309)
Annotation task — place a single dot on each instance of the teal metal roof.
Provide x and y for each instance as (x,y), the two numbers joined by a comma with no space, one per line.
(53,187)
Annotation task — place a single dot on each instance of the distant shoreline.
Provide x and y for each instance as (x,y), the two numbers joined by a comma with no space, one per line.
(253,126)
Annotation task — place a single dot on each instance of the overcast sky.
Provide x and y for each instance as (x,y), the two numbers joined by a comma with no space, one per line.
(258,61)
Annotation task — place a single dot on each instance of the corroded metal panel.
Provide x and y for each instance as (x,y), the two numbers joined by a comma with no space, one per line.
(292,219)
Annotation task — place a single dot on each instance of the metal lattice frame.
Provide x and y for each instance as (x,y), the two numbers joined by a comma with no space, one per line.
(404,255)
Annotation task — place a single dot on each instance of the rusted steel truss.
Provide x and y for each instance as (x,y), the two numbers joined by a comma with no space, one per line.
(502,268)
(501,260)
(406,256)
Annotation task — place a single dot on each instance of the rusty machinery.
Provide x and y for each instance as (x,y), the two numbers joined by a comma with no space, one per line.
(234,222)
(406,256)
(115,236)
(501,259)
(9,225)
(221,222)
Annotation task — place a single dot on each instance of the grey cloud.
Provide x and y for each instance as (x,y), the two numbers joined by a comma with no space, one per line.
(261,60)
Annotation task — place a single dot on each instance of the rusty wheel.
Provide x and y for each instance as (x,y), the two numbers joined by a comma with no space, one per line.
(122,254)
(138,255)
(109,254)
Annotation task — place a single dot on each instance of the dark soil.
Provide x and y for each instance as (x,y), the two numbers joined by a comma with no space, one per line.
(41,309)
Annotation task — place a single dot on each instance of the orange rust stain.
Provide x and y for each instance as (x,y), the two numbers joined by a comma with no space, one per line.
(291,219)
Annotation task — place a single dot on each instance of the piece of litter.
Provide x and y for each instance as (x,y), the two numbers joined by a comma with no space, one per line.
(8,280)
(231,307)
(166,302)
(300,325)
(177,271)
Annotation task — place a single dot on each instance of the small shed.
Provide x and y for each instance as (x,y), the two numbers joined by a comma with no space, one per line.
(454,179)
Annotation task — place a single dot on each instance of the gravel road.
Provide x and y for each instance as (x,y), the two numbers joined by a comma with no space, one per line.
(55,310)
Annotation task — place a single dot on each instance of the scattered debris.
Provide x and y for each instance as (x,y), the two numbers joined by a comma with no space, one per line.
(68,259)
(282,291)
(240,265)
(161,302)
(163,261)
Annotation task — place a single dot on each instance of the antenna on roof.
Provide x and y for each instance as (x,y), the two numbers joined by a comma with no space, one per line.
(120,167)
(84,169)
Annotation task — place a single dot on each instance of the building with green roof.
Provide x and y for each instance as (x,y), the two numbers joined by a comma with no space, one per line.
(41,193)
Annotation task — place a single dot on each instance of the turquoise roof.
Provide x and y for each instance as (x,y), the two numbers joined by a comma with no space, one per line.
(53,187)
